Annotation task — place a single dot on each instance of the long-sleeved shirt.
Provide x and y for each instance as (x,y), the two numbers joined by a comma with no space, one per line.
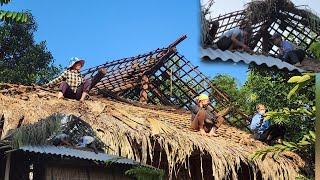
(286,47)
(255,124)
(236,31)
(72,77)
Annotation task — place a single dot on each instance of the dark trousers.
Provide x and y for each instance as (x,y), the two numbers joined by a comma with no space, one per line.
(271,134)
(84,87)
(294,56)
(70,94)
(224,43)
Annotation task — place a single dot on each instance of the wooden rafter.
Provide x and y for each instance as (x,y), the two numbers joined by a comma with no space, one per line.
(161,77)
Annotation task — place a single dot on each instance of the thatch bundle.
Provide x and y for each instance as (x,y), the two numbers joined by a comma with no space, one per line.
(271,8)
(143,133)
(254,8)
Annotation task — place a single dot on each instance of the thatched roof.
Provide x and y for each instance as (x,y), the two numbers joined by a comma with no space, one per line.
(141,133)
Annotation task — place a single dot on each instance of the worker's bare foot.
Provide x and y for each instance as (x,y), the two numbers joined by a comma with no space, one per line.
(60,95)
(212,133)
(83,96)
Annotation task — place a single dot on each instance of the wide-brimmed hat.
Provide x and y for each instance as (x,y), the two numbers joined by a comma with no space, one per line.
(74,60)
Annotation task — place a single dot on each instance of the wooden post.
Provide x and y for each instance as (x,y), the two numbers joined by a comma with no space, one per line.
(7,172)
(144,89)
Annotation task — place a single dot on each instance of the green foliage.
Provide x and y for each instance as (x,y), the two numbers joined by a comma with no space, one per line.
(301,81)
(228,84)
(303,146)
(290,99)
(22,60)
(10,16)
(240,96)
(300,122)
(2,2)
(301,177)
(145,173)
(315,49)
(278,91)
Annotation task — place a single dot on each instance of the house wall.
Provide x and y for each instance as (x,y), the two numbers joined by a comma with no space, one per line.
(53,172)
(48,167)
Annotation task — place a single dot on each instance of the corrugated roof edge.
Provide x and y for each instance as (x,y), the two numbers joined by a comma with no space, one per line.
(80,154)
(217,54)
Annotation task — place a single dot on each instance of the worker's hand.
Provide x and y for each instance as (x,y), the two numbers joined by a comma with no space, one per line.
(247,48)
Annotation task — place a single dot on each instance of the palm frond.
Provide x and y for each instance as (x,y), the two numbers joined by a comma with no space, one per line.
(13,16)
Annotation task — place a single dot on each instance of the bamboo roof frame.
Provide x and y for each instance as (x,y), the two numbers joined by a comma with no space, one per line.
(167,69)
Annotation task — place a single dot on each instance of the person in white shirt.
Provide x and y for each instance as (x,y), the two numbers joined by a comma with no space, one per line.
(235,39)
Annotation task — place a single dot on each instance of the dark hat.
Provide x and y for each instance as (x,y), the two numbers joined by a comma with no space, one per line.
(275,36)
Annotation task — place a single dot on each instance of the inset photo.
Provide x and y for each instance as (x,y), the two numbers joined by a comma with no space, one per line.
(274,33)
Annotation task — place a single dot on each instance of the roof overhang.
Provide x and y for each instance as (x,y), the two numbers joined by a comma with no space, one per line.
(217,54)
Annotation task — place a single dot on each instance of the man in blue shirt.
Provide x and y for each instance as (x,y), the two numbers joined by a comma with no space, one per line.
(287,50)
(262,128)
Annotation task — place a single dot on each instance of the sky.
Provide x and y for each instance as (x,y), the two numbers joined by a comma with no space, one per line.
(109,30)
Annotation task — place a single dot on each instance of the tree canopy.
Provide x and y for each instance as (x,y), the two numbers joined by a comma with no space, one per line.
(22,60)
(290,100)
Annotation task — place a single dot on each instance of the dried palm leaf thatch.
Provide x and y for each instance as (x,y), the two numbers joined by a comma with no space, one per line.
(254,8)
(271,8)
(141,133)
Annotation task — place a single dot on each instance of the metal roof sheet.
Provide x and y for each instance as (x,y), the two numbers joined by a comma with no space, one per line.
(217,54)
(77,153)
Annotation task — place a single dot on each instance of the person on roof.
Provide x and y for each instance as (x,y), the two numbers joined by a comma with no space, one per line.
(235,39)
(262,128)
(72,83)
(287,50)
(203,119)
